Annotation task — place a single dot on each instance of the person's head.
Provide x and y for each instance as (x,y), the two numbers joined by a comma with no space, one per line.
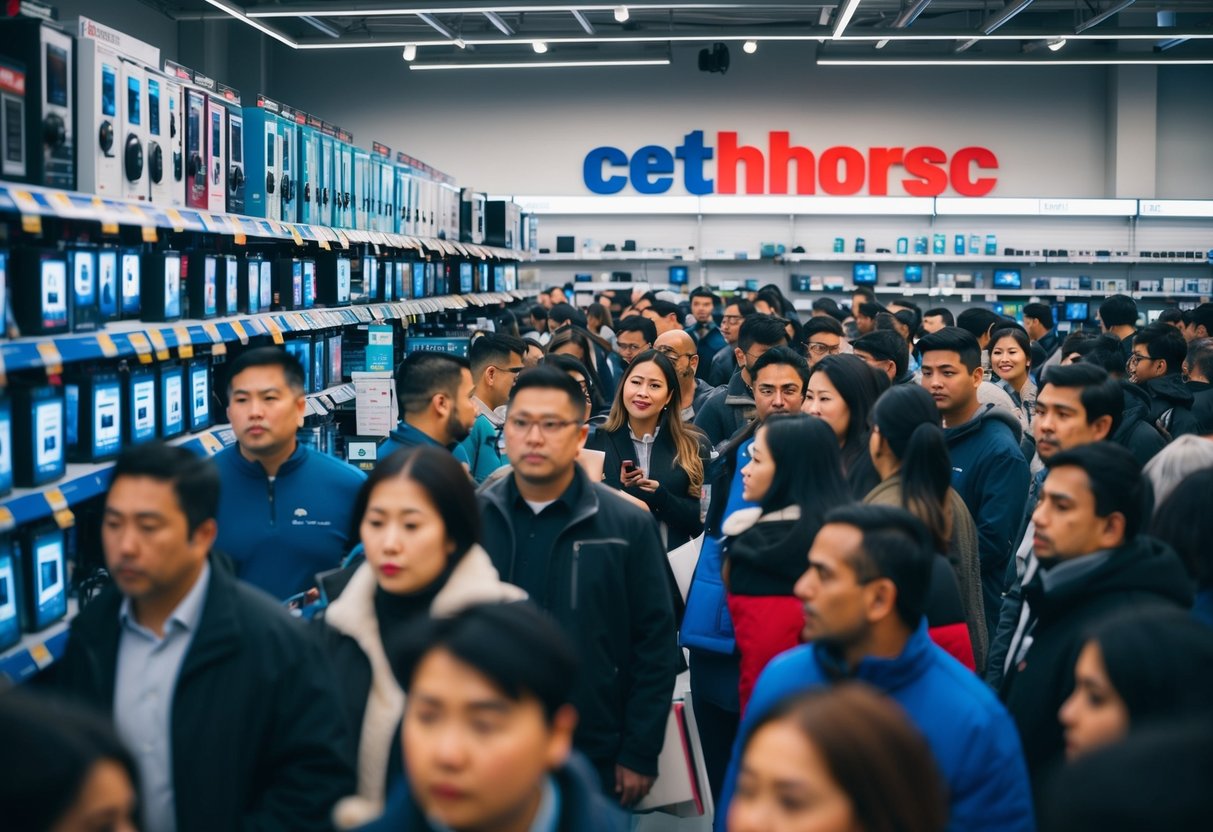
(416,517)
(861,295)
(1076,405)
(979,323)
(1105,352)
(1136,668)
(936,319)
(1172,467)
(1011,355)
(758,334)
(1184,522)
(1038,320)
(539,314)
(883,351)
(867,581)
(1094,498)
(1198,364)
(907,438)
(1117,311)
(1158,350)
(779,382)
(828,307)
(533,355)
(1078,344)
(569,341)
(1172,316)
(266,401)
(642,301)
(496,362)
(159,521)
(703,303)
(634,335)
(769,301)
(597,315)
(544,426)
(487,716)
(435,390)
(793,461)
(575,370)
(679,347)
(664,315)
(822,336)
(556,296)
(837,759)
(563,314)
(841,392)
(951,372)
(865,316)
(735,311)
(1198,322)
(63,769)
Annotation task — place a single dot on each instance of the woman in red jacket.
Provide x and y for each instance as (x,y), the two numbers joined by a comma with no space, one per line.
(795,476)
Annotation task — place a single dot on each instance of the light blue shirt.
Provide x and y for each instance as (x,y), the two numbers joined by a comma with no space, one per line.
(547,816)
(148,667)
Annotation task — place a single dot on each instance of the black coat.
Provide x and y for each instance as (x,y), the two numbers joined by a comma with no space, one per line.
(1136,431)
(1171,405)
(608,585)
(670,503)
(257,742)
(726,411)
(1202,405)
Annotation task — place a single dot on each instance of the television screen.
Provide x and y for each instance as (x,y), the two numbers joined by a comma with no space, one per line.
(913,274)
(336,375)
(511,276)
(172,400)
(387,278)
(370,279)
(482,275)
(46,578)
(319,365)
(403,279)
(6,446)
(431,279)
(200,395)
(418,280)
(864,274)
(465,278)
(130,284)
(10,619)
(71,416)
(1007,279)
(678,275)
(107,419)
(141,407)
(1078,311)
(107,276)
(210,288)
(343,280)
(498,278)
(54,294)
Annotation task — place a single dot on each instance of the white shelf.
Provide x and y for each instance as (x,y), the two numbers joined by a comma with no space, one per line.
(610,257)
(985,259)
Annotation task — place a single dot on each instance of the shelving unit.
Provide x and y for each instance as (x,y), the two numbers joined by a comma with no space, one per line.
(36,651)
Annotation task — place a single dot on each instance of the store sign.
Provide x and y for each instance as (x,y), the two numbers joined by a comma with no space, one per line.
(922,171)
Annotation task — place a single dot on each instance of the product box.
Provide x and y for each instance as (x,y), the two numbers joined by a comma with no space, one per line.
(375,403)
(38,435)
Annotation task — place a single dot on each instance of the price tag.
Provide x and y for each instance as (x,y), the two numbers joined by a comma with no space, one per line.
(108,348)
(240,238)
(324,244)
(108,226)
(185,345)
(50,357)
(275,332)
(157,339)
(31,221)
(64,518)
(238,328)
(174,217)
(213,332)
(219,349)
(143,349)
(7,521)
(41,655)
(149,234)
(210,443)
(294,233)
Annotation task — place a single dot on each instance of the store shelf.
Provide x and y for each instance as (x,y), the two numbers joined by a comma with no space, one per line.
(326,401)
(986,259)
(32,203)
(36,651)
(611,257)
(967,294)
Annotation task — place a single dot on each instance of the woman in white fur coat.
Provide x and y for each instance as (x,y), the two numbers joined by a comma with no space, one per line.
(420,528)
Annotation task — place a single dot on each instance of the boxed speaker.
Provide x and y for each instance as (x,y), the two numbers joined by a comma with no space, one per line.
(235,162)
(49,118)
(13,153)
(165,140)
(133,137)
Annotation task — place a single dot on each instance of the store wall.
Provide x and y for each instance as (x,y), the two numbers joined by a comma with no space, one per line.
(130,16)
(1185,136)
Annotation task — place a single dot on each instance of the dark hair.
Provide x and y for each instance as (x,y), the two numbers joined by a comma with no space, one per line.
(519,647)
(1171,315)
(1040,312)
(637,323)
(953,339)
(911,320)
(563,313)
(1201,316)
(878,757)
(663,308)
(49,750)
(292,370)
(820,324)
(860,386)
(1115,479)
(941,312)
(1163,341)
(1017,335)
(808,471)
(600,311)
(886,321)
(539,312)
(569,364)
(1081,341)
(896,545)
(910,423)
(884,345)
(745,307)
(831,308)
(573,335)
(1200,357)
(767,330)
(784,356)
(1105,352)
(1184,521)
(977,321)
(1101,394)
(871,309)
(704,292)
(1118,310)
(548,378)
(194,478)
(444,481)
(423,375)
(493,348)
(864,291)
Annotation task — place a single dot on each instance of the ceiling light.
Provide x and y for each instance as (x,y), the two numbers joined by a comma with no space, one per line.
(881,44)
(410,51)
(1146,59)
(1056,43)
(621,14)
(260,27)
(540,47)
(750,47)
(844,17)
(435,25)
(542,64)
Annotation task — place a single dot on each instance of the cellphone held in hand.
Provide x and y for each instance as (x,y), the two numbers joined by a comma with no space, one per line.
(629,466)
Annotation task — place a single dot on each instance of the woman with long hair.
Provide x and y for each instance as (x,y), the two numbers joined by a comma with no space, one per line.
(1011,361)
(795,476)
(651,453)
(576,343)
(841,392)
(419,525)
(910,454)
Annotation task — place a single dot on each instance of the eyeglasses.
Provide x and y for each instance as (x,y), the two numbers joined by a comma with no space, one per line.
(731,319)
(673,354)
(508,369)
(824,349)
(547,427)
(1135,358)
(629,348)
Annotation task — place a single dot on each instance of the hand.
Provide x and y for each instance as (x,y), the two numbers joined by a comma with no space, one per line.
(648,485)
(630,477)
(630,787)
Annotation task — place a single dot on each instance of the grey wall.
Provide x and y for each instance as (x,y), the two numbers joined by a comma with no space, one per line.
(128,16)
(1185,135)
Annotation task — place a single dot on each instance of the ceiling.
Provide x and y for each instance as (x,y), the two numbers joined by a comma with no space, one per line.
(890,32)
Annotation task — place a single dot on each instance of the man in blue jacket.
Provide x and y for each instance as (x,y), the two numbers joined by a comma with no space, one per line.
(864,595)
(496,361)
(284,510)
(988,468)
(434,391)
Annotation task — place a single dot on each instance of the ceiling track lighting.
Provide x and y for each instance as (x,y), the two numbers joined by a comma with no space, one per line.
(1056,44)
(1005,16)
(542,64)
(410,51)
(321,26)
(750,47)
(911,14)
(844,17)
(540,47)
(583,21)
(622,14)
(434,24)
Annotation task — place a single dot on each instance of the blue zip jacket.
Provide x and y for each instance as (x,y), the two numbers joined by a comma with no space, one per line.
(970,733)
(407,436)
(279,533)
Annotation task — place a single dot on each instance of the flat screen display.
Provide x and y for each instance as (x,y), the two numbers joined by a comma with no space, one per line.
(107,419)
(1078,311)
(267,285)
(418,280)
(172,401)
(134,101)
(498,278)
(84,278)
(48,581)
(54,294)
(388,276)
(335,372)
(10,621)
(370,278)
(130,283)
(465,278)
(319,365)
(1007,279)
(343,280)
(109,91)
(914,274)
(6,446)
(482,271)
(56,75)
(511,276)
(71,416)
(48,437)
(431,279)
(678,275)
(210,287)
(252,279)
(231,284)
(402,280)
(864,274)
(200,396)
(142,414)
(153,106)
(107,289)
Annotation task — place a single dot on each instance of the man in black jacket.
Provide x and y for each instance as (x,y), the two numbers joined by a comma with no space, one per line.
(596,563)
(1156,365)
(1199,368)
(731,407)
(229,708)
(1091,560)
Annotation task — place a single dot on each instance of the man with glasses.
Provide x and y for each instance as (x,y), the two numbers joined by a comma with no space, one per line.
(724,362)
(596,563)
(729,408)
(679,347)
(496,360)
(823,336)
(1156,365)
(633,335)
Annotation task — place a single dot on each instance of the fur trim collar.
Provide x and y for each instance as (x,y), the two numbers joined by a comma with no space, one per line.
(745,519)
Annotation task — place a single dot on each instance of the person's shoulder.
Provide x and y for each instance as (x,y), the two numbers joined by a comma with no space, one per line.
(960,693)
(791,670)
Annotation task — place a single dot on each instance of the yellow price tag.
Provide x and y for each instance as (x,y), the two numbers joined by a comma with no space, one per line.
(294,233)
(149,234)
(157,338)
(210,443)
(213,332)
(238,328)
(108,226)
(7,521)
(174,216)
(275,332)
(185,346)
(59,508)
(108,348)
(324,244)
(240,238)
(51,359)
(41,655)
(143,349)
(31,222)
(219,349)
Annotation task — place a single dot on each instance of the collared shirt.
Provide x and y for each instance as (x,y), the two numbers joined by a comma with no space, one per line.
(547,816)
(497,417)
(643,445)
(535,535)
(144,684)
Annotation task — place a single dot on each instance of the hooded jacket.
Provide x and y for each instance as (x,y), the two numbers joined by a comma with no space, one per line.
(373,699)
(1137,431)
(970,734)
(1061,600)
(726,411)
(1202,405)
(1171,405)
(990,474)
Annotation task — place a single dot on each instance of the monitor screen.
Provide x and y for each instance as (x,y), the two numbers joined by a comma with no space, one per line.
(343,280)
(482,271)
(172,287)
(511,276)
(48,437)
(296,285)
(10,620)
(130,283)
(107,419)
(210,286)
(47,579)
(418,280)
(498,278)
(71,415)
(54,294)
(6,446)
(465,278)
(172,401)
(864,274)
(1078,311)
(913,274)
(200,395)
(431,279)
(1007,279)
(84,288)
(387,276)
(107,275)
(335,372)
(134,100)
(142,398)
(678,275)
(231,284)
(402,280)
